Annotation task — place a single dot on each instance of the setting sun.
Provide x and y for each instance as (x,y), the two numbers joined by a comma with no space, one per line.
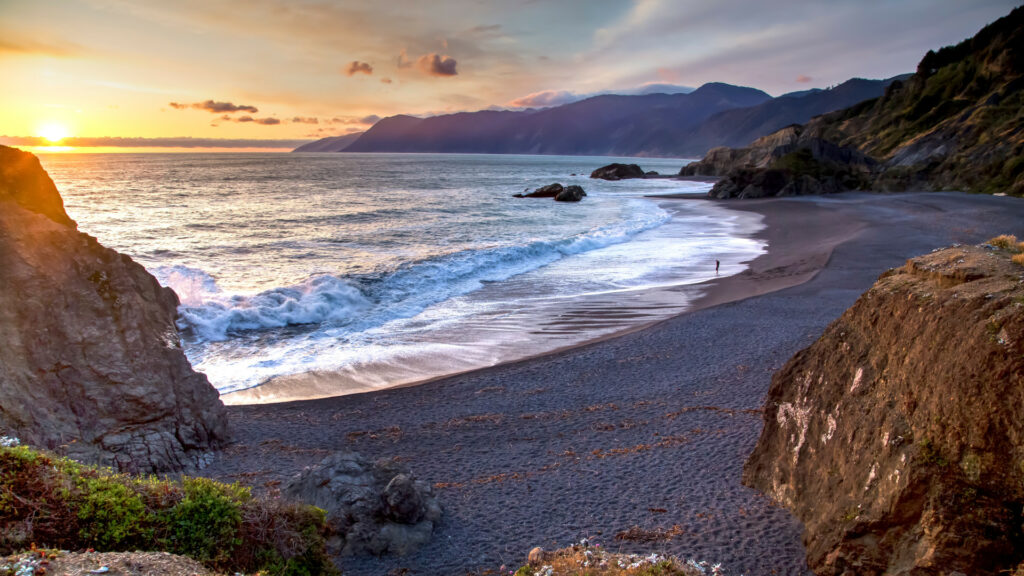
(53,133)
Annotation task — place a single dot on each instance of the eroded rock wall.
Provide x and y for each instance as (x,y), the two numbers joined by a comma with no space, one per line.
(90,361)
(898,437)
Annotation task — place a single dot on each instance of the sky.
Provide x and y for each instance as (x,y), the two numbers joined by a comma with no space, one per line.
(267,74)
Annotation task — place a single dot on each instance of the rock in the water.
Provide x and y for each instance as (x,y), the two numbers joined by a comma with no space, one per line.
(897,437)
(571,194)
(549,191)
(374,508)
(91,364)
(618,172)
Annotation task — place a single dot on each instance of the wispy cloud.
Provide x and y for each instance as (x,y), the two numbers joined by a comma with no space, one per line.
(545,99)
(16,45)
(215,107)
(177,142)
(263,121)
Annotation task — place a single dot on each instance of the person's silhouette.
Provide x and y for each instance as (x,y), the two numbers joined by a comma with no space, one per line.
(717,264)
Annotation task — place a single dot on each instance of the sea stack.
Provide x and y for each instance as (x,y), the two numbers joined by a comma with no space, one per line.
(896,438)
(91,365)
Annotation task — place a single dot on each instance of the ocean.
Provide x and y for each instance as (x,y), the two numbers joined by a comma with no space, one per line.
(312,275)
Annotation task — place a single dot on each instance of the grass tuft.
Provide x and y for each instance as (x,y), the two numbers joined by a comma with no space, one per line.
(1006,242)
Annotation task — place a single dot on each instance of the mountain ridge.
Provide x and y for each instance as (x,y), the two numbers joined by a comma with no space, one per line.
(666,125)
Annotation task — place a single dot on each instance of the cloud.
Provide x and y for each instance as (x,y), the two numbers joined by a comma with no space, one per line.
(432,64)
(661,88)
(485,29)
(304,120)
(357,67)
(264,121)
(12,45)
(803,79)
(545,99)
(437,65)
(215,107)
(177,142)
(351,120)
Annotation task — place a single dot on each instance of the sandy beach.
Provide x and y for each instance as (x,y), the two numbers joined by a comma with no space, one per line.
(635,441)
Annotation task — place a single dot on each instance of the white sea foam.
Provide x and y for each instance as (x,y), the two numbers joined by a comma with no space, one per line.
(362,302)
(391,268)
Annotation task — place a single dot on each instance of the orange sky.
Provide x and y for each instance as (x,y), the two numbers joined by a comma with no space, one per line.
(280,71)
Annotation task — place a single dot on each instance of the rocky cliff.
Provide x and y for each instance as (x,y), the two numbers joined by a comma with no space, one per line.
(90,362)
(897,437)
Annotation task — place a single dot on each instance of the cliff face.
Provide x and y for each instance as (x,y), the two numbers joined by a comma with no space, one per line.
(897,437)
(90,362)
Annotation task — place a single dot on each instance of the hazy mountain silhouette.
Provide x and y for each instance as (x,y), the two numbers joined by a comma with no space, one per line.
(673,125)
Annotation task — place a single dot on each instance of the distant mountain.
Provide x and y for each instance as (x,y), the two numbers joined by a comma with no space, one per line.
(667,125)
(332,144)
(742,126)
(602,125)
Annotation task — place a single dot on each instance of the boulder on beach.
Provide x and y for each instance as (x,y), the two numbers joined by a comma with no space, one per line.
(571,194)
(896,438)
(91,365)
(618,172)
(373,507)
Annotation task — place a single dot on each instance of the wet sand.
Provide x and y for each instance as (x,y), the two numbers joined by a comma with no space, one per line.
(649,429)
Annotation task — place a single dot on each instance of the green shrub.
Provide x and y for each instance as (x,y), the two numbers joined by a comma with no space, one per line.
(112,514)
(205,524)
(58,503)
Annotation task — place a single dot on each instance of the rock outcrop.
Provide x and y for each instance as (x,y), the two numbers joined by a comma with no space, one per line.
(560,193)
(91,364)
(372,507)
(789,162)
(571,193)
(897,437)
(618,172)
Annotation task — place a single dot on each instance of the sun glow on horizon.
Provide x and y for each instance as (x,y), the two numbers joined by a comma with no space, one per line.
(53,133)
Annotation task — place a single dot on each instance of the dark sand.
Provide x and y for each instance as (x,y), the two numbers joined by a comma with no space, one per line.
(648,429)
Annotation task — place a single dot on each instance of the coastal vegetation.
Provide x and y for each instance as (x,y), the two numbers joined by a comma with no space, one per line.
(1010,243)
(56,502)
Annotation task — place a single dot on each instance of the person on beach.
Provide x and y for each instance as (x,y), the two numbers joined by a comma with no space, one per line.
(717,264)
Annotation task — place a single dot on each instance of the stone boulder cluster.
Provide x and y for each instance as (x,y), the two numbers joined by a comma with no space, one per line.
(372,507)
(560,193)
(91,365)
(897,437)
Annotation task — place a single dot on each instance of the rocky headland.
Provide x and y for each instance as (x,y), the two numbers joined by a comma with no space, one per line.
(91,365)
(896,437)
(955,124)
